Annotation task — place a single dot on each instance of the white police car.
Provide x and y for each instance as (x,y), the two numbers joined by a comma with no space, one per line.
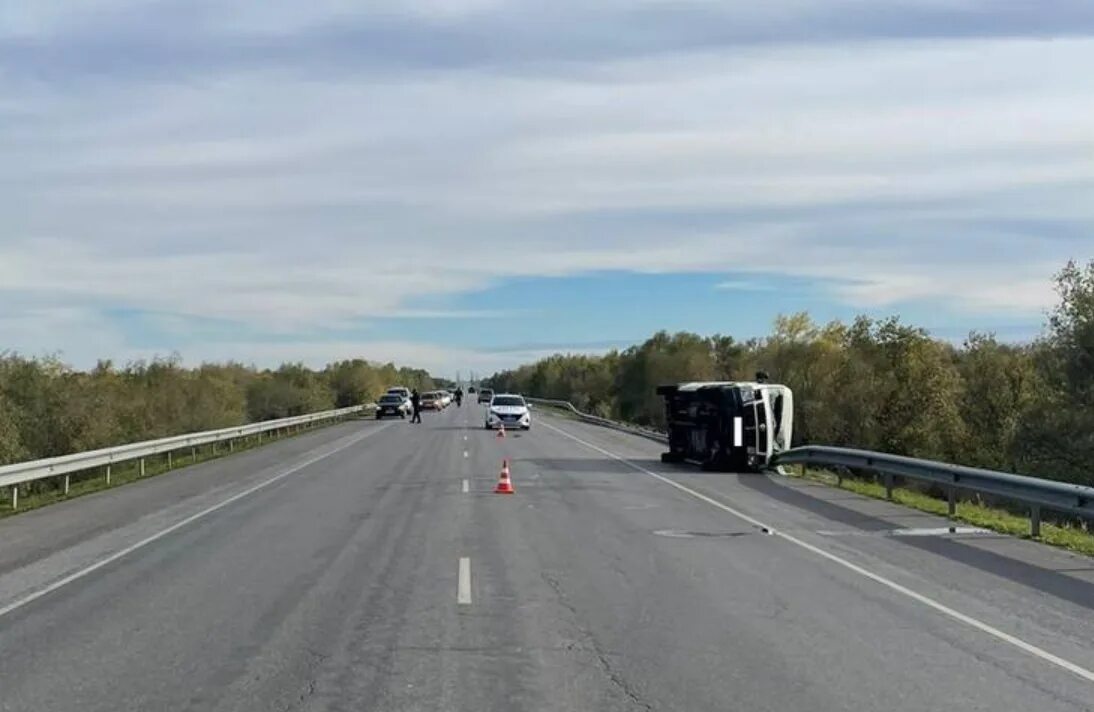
(509,410)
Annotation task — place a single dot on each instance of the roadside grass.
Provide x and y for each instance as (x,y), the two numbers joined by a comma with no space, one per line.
(94,480)
(1072,538)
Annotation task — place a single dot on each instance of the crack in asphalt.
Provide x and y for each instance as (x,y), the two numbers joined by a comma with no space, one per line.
(594,647)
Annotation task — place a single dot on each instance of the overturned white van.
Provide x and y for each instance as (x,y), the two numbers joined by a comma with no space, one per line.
(728,426)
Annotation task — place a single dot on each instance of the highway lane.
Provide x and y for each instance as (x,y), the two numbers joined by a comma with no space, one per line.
(595,586)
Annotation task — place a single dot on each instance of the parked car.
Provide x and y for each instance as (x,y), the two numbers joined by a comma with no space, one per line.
(400,391)
(392,405)
(508,409)
(485,395)
(431,400)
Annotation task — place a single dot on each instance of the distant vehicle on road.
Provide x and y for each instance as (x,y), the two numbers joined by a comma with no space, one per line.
(470,389)
(432,400)
(400,390)
(508,409)
(485,395)
(446,398)
(392,405)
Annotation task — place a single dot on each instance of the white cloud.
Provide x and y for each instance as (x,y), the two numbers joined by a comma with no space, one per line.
(955,172)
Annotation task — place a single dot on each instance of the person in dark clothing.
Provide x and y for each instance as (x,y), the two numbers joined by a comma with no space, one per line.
(416,404)
(459,397)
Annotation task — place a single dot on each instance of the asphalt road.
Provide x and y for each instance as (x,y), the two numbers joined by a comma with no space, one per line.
(370,567)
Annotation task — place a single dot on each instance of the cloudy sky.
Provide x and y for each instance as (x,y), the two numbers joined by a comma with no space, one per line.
(463,184)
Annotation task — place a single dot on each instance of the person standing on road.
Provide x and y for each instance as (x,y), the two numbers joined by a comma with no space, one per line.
(416,404)
(459,397)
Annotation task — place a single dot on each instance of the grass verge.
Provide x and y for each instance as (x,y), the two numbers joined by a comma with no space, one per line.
(1072,538)
(90,481)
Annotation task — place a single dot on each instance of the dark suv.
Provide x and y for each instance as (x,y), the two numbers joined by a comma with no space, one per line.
(485,395)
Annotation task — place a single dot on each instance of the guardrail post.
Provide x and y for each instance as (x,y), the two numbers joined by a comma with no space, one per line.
(951,500)
(14,497)
(1035,520)
(193,453)
(66,485)
(168,459)
(108,475)
(888,485)
(142,467)
(231,445)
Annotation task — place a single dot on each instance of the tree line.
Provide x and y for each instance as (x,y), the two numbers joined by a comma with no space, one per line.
(48,408)
(876,384)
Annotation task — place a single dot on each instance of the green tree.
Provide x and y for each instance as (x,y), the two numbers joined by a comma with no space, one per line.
(11,446)
(1056,437)
(998,387)
(662,359)
(354,382)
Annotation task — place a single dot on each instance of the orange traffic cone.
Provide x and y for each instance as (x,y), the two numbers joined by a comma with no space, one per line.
(505,485)
(501,431)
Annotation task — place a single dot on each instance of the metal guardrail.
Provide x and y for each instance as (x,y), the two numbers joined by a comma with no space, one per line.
(655,435)
(32,470)
(1033,492)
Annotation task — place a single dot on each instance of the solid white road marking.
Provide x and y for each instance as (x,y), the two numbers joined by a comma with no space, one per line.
(1041,653)
(938,531)
(935,531)
(466,486)
(463,590)
(179,525)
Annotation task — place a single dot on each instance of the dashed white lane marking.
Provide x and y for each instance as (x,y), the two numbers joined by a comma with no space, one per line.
(1041,653)
(465,453)
(466,486)
(76,576)
(463,589)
